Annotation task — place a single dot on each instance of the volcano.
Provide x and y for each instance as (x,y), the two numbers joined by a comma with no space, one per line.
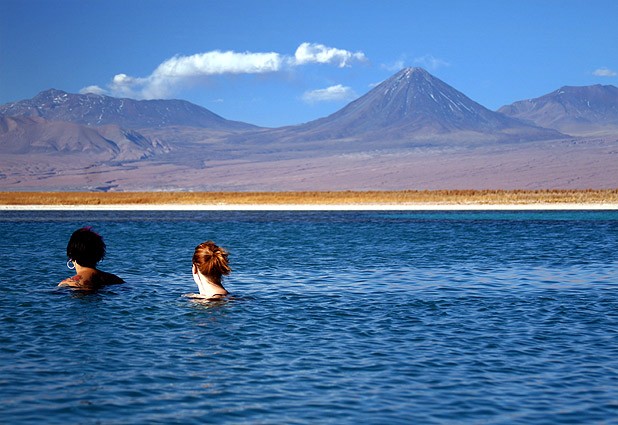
(415,105)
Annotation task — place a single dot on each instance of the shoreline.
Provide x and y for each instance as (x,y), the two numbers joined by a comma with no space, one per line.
(318,207)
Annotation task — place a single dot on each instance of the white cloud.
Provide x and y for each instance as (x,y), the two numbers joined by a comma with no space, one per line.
(396,66)
(180,71)
(329,94)
(217,62)
(319,53)
(430,62)
(93,90)
(123,85)
(605,72)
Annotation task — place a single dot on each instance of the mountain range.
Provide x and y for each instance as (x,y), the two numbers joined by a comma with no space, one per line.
(410,114)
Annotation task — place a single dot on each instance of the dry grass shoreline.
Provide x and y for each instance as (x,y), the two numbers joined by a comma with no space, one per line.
(406,197)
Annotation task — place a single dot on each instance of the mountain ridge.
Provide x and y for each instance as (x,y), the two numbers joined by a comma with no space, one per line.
(96,110)
(578,110)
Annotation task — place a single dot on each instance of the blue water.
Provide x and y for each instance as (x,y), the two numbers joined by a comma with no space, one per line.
(340,318)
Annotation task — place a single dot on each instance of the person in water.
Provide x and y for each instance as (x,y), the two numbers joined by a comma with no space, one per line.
(210,264)
(85,249)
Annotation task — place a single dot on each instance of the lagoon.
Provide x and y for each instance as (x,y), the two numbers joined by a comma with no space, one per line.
(340,317)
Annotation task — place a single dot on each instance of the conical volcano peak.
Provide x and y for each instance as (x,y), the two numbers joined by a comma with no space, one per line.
(413,72)
(413,104)
(411,76)
(415,91)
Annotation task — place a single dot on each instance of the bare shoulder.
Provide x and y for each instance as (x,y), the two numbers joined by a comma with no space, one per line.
(110,279)
(76,280)
(91,280)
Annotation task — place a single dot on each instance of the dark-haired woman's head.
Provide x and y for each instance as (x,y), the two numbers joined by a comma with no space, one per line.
(211,260)
(86,247)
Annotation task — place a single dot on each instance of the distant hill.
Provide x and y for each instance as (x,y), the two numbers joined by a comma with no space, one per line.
(588,110)
(31,135)
(65,123)
(415,105)
(98,110)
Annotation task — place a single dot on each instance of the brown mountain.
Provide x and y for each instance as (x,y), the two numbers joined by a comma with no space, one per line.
(65,123)
(587,110)
(98,110)
(415,106)
(35,135)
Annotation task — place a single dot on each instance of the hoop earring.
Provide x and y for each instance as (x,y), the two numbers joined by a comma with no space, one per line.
(69,264)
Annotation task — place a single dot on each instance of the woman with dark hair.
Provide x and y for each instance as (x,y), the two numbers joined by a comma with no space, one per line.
(85,249)
(210,264)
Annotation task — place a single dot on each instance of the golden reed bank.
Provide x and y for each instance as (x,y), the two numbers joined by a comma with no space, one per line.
(447,197)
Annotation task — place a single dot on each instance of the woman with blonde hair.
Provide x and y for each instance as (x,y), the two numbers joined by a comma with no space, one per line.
(210,264)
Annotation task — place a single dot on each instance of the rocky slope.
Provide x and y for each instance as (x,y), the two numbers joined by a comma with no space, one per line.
(35,135)
(588,110)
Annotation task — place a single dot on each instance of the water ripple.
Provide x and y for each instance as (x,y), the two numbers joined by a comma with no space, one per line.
(346,317)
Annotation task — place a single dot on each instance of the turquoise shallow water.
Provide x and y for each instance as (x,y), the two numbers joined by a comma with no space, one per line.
(340,318)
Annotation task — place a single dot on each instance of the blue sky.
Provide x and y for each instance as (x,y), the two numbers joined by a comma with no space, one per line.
(279,62)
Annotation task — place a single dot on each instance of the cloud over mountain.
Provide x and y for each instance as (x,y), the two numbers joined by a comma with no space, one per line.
(604,72)
(318,53)
(430,62)
(172,74)
(330,94)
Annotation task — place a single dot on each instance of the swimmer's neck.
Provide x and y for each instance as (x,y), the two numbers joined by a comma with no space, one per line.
(207,287)
(83,269)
